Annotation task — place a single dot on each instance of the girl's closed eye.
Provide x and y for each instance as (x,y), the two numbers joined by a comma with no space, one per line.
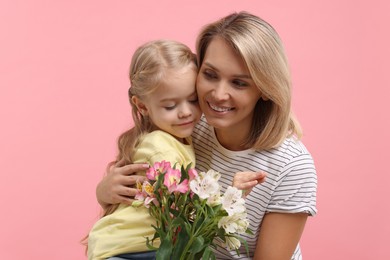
(169,106)
(193,100)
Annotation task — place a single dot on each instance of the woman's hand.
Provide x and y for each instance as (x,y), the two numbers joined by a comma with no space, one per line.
(117,185)
(245,181)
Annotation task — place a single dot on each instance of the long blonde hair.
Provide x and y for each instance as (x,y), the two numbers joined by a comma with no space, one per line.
(147,71)
(260,47)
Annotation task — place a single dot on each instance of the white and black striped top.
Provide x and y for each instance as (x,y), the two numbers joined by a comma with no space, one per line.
(290,185)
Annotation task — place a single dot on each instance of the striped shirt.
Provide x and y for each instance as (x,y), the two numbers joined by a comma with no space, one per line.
(290,185)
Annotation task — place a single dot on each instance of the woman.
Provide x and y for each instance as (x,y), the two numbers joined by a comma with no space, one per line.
(244,91)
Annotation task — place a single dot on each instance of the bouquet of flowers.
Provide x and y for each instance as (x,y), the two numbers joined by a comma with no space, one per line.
(190,212)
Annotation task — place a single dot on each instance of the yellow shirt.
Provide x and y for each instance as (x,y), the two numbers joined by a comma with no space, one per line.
(126,229)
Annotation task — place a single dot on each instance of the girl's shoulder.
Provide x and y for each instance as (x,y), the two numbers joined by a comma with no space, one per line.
(156,135)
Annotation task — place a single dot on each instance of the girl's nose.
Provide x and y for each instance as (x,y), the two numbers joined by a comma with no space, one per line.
(185,111)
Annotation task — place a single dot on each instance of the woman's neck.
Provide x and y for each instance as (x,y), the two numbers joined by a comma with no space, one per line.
(232,140)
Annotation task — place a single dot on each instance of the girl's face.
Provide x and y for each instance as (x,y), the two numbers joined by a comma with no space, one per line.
(173,107)
(227,94)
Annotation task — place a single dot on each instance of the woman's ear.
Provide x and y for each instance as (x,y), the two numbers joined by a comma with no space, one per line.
(140,105)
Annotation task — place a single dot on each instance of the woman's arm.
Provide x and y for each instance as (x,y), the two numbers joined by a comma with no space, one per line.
(279,235)
(116,186)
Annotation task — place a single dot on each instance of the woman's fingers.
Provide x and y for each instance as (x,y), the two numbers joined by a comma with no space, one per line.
(128,169)
(117,185)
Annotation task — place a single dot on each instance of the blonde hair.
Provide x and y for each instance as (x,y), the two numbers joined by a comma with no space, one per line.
(147,71)
(260,47)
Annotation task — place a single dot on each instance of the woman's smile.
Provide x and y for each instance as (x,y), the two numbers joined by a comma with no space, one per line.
(219,108)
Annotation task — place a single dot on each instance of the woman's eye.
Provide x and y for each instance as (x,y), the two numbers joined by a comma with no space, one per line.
(240,83)
(209,75)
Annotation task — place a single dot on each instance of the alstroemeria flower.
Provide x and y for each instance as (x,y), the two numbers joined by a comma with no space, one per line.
(148,188)
(206,184)
(214,199)
(175,202)
(192,173)
(157,169)
(232,243)
(140,194)
(172,181)
(149,200)
(236,223)
(232,201)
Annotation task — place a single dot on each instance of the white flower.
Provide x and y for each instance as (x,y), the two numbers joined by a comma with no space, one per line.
(236,223)
(242,225)
(232,201)
(214,199)
(232,243)
(206,185)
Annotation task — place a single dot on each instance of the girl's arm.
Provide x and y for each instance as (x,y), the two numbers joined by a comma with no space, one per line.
(279,235)
(245,181)
(116,185)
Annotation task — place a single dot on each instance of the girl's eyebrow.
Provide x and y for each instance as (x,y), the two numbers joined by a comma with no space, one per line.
(243,76)
(168,99)
(176,98)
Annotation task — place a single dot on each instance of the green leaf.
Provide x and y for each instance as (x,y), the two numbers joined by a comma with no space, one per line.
(184,173)
(249,231)
(181,242)
(187,227)
(207,253)
(243,242)
(197,245)
(149,244)
(165,250)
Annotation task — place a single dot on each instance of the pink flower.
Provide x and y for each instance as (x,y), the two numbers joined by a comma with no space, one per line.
(172,181)
(149,200)
(151,174)
(146,194)
(192,173)
(140,194)
(157,169)
(147,188)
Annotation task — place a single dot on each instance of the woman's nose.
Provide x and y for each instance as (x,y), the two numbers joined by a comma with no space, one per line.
(220,91)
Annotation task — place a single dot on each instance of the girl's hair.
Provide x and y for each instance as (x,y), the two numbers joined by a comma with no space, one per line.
(149,65)
(260,47)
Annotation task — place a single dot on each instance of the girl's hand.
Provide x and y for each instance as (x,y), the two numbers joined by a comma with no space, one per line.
(245,181)
(118,184)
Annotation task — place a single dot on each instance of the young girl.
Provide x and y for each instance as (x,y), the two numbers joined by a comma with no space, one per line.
(165,110)
(244,90)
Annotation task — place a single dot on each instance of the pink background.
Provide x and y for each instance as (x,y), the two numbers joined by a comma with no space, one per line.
(63,78)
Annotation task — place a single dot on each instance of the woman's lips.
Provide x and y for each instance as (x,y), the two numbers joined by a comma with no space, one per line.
(219,109)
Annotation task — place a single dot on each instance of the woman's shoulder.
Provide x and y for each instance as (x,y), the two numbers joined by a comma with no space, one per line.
(290,147)
(290,152)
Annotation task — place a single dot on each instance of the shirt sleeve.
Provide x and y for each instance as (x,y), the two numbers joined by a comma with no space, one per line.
(296,188)
(158,146)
